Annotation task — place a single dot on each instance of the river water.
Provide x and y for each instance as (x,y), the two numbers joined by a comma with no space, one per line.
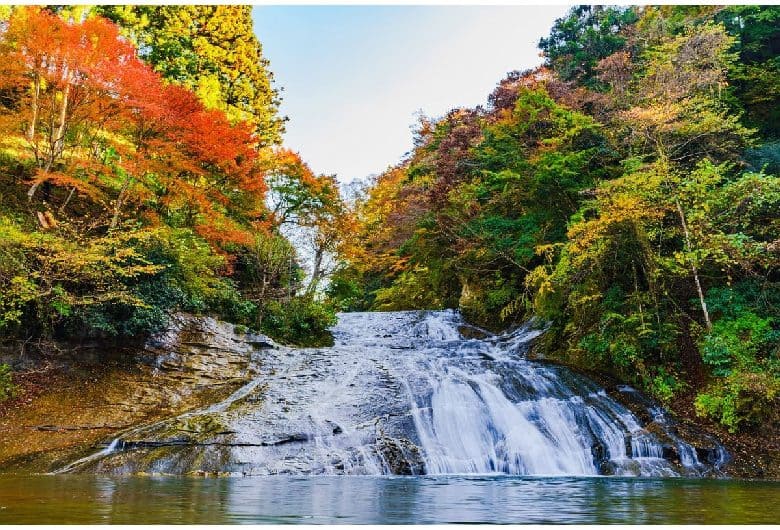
(411,417)
(384,500)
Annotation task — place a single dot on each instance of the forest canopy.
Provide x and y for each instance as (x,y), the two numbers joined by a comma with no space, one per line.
(625,192)
(138,151)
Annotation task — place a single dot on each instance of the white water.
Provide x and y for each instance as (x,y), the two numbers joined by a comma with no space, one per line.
(483,408)
(408,387)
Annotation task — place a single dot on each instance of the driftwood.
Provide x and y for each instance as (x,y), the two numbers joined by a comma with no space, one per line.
(59,428)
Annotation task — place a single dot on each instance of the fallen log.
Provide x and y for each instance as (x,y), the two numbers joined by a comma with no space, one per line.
(59,428)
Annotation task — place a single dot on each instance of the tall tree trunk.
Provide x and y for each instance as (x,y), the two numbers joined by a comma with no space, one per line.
(695,271)
(58,138)
(120,202)
(317,272)
(34,107)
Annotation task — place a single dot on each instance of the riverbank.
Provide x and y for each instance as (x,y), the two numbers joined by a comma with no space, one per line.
(75,400)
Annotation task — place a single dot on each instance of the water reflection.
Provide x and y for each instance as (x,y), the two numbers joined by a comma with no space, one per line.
(128,500)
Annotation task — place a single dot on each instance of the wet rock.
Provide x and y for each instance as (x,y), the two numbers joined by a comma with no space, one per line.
(364,407)
(259,341)
(401,456)
(473,332)
(600,454)
(291,438)
(670,453)
(626,467)
(203,349)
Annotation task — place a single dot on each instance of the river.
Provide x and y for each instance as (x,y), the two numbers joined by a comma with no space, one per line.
(411,417)
(89,499)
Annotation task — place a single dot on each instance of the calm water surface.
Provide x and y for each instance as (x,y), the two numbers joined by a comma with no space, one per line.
(378,500)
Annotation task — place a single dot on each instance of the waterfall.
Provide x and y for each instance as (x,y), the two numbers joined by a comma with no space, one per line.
(408,393)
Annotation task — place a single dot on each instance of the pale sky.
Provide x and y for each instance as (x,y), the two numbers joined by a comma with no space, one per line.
(354,77)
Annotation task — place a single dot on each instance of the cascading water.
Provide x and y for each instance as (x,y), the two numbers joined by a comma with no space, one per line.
(407,393)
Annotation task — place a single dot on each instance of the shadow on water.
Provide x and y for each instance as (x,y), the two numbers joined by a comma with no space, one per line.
(381,500)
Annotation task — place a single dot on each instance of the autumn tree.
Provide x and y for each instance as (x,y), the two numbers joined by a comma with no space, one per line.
(118,151)
(213,51)
(70,67)
(307,208)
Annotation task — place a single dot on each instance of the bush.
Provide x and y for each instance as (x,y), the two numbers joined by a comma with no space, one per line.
(630,341)
(664,385)
(488,302)
(742,400)
(7,387)
(348,290)
(413,289)
(54,281)
(62,284)
(738,343)
(302,321)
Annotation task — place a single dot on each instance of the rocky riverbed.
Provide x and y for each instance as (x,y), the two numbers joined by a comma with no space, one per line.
(207,398)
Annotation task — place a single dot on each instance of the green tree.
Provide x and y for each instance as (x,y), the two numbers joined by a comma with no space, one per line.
(584,36)
(211,50)
(756,76)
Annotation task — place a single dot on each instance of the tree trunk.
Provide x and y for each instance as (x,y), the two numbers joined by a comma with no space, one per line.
(317,272)
(120,202)
(34,105)
(688,247)
(65,204)
(58,138)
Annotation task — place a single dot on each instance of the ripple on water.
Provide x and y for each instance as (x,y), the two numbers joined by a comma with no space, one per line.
(384,500)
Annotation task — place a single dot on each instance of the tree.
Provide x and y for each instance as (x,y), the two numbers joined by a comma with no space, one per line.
(681,116)
(159,186)
(756,76)
(70,68)
(213,51)
(587,34)
(101,122)
(310,203)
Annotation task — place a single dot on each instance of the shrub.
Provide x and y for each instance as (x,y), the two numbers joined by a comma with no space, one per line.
(664,385)
(301,321)
(51,281)
(126,283)
(738,342)
(742,400)
(416,288)
(7,387)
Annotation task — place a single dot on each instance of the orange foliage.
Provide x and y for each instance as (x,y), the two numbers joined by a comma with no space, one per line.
(297,191)
(91,107)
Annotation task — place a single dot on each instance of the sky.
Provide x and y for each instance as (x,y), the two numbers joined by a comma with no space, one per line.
(354,78)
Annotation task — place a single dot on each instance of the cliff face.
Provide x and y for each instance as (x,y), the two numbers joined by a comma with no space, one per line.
(78,398)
